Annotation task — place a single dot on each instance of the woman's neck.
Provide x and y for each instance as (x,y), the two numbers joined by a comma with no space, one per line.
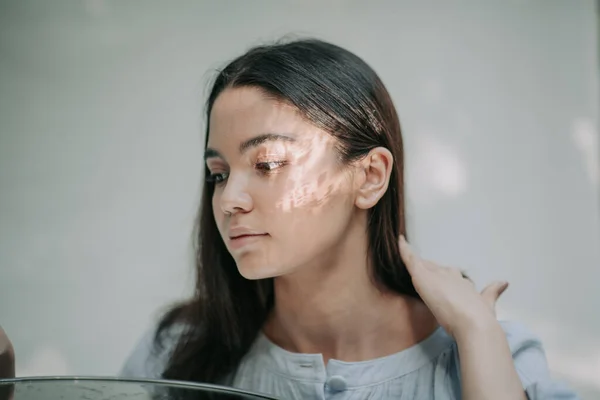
(333,308)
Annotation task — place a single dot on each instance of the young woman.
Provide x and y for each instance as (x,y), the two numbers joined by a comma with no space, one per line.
(306,286)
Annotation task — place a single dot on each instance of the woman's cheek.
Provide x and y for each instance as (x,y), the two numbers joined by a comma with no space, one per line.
(307,195)
(217,212)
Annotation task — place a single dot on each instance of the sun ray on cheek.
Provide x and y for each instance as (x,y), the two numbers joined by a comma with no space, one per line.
(314,179)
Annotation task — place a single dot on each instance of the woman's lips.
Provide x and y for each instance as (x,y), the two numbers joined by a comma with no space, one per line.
(240,241)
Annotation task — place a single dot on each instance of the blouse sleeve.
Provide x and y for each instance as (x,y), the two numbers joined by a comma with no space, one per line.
(531,365)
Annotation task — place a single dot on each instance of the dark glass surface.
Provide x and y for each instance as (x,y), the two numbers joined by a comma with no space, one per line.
(88,388)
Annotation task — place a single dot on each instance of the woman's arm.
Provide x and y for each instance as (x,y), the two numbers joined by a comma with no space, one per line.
(486,363)
(497,361)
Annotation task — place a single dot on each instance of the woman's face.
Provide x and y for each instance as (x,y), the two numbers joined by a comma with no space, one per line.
(282,197)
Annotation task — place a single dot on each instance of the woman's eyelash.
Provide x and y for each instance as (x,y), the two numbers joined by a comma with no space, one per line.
(217,178)
(268,166)
(264,167)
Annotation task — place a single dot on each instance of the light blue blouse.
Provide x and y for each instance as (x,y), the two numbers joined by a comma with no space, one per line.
(428,370)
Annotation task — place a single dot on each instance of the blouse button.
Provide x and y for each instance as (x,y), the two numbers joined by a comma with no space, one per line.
(337,383)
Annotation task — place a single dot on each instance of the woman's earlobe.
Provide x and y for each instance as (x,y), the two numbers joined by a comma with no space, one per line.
(366,202)
(377,168)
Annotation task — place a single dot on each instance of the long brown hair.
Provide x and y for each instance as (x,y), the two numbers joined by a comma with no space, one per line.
(338,92)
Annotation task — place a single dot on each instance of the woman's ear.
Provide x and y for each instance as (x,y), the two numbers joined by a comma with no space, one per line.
(374,171)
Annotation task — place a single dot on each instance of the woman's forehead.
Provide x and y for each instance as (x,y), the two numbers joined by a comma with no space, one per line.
(240,114)
(250,106)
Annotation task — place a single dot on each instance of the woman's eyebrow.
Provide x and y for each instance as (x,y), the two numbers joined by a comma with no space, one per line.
(265,137)
(211,153)
(250,143)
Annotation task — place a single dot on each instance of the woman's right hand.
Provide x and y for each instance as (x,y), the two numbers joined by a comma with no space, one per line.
(7,356)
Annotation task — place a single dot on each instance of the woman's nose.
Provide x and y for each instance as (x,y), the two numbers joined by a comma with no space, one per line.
(235,197)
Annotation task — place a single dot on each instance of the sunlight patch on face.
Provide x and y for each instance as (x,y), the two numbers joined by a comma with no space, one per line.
(312,183)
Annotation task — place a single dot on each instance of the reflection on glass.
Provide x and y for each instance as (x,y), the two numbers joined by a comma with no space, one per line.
(75,388)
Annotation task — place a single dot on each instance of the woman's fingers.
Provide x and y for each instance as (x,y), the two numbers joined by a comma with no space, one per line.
(426,272)
(408,256)
(492,292)
(414,262)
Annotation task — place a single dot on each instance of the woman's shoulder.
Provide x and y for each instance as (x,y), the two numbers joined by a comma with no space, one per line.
(519,336)
(151,353)
(529,358)
(527,350)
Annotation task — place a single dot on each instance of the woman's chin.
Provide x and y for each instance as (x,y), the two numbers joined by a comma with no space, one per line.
(255,272)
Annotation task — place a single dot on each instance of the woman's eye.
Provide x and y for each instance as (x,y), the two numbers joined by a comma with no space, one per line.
(269,165)
(217,178)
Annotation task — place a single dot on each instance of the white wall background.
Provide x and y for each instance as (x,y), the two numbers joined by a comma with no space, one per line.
(101,143)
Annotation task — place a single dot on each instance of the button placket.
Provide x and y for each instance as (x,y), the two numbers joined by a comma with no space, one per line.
(337,383)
